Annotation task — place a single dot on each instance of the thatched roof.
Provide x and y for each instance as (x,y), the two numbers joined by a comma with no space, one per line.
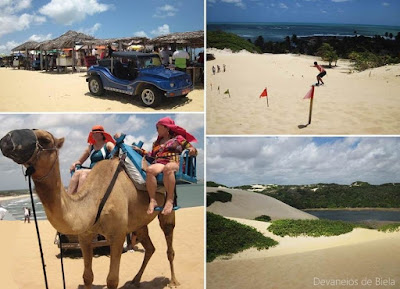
(67,40)
(192,38)
(29,45)
(126,41)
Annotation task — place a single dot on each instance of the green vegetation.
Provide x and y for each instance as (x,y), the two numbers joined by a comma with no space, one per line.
(313,228)
(245,187)
(366,52)
(218,196)
(10,193)
(263,218)
(214,185)
(358,195)
(390,228)
(366,60)
(327,53)
(228,237)
(221,40)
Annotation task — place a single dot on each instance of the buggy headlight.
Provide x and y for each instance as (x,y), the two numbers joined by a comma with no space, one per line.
(172,84)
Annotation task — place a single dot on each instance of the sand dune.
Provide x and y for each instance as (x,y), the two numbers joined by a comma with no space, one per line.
(348,264)
(20,265)
(248,205)
(361,259)
(27,91)
(348,103)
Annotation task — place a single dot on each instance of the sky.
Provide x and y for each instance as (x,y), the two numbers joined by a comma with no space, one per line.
(76,127)
(376,12)
(39,20)
(235,161)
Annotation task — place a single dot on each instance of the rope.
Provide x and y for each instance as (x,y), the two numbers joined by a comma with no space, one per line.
(61,257)
(29,172)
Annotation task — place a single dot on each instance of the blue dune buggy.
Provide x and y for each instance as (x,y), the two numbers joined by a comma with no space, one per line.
(136,73)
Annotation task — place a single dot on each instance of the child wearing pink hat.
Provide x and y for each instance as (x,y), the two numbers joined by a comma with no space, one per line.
(170,143)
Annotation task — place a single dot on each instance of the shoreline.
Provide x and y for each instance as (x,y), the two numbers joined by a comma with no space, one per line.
(353,209)
(8,198)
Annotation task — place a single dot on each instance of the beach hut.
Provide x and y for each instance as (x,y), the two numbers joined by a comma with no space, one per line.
(67,40)
(190,40)
(25,47)
(194,39)
(121,42)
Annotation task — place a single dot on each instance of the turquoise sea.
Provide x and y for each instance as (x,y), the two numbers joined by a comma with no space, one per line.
(278,31)
(188,196)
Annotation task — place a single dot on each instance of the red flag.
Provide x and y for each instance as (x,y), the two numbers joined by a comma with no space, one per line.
(310,94)
(264,93)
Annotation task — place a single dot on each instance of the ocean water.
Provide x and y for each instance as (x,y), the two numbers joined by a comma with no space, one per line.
(188,196)
(278,31)
(357,216)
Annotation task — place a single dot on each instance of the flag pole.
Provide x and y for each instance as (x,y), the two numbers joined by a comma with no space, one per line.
(310,114)
(267,97)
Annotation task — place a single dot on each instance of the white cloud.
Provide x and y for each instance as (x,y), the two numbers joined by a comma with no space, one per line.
(302,160)
(238,3)
(140,34)
(385,4)
(340,0)
(6,48)
(283,6)
(165,11)
(193,123)
(91,30)
(161,30)
(298,4)
(10,23)
(39,38)
(71,11)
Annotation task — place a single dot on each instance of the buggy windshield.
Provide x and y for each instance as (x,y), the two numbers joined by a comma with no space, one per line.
(147,61)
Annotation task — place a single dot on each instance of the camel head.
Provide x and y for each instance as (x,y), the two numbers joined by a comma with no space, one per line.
(37,148)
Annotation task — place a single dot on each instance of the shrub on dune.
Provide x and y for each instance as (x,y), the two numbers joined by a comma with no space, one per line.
(313,228)
(228,237)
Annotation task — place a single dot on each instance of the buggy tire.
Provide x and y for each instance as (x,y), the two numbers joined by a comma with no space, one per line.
(95,85)
(151,96)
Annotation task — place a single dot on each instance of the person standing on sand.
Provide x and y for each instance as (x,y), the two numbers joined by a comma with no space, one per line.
(321,74)
(213,70)
(27,215)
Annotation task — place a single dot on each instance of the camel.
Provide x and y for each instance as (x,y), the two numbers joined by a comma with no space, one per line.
(124,211)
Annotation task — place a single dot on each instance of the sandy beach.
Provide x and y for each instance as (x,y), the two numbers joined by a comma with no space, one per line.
(349,103)
(20,265)
(350,260)
(34,91)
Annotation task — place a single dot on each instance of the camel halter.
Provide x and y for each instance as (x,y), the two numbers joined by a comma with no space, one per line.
(29,171)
